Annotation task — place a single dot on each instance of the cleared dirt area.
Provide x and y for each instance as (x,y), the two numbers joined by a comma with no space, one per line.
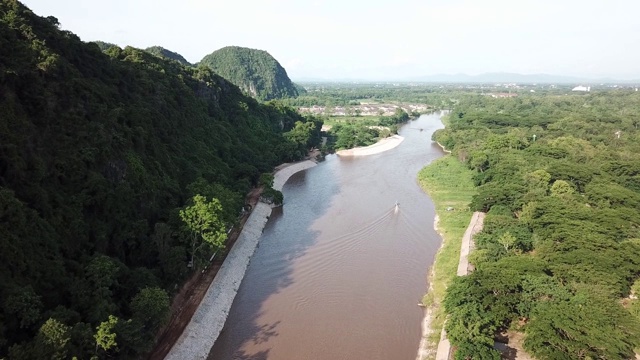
(511,346)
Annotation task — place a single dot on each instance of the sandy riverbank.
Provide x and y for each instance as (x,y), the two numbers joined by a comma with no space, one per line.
(443,148)
(424,350)
(381,146)
(207,322)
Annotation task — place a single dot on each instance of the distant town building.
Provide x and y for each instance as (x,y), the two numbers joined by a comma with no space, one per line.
(581,88)
(502,95)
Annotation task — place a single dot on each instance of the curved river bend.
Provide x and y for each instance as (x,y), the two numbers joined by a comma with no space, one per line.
(339,272)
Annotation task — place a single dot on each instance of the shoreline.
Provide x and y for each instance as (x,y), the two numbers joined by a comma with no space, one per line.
(207,322)
(443,148)
(448,183)
(424,350)
(475,225)
(382,145)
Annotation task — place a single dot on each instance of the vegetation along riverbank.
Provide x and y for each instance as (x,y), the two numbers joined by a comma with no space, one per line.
(449,184)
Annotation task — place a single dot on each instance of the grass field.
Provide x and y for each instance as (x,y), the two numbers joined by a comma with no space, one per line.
(448,182)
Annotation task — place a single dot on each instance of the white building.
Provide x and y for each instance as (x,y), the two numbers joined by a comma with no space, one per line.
(581,88)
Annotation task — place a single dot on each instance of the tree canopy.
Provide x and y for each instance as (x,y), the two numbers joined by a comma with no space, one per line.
(559,252)
(159,51)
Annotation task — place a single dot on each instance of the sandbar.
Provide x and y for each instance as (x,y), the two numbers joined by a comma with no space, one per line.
(385,144)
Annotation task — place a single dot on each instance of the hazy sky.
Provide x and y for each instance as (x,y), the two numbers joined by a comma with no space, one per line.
(374,39)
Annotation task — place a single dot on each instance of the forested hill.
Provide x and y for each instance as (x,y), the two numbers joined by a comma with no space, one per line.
(256,72)
(167,54)
(104,46)
(98,153)
(559,256)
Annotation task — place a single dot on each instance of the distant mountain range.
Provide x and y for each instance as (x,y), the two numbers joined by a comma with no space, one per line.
(489,78)
(503,77)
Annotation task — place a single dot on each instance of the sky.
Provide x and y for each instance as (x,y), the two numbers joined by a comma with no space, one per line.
(376,39)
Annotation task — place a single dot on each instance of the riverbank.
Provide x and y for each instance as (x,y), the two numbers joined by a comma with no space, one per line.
(385,144)
(464,268)
(443,148)
(204,328)
(449,185)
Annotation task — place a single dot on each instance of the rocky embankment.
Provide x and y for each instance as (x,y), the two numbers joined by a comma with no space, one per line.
(207,322)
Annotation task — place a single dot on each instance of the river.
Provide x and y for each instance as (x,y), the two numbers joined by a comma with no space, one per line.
(339,271)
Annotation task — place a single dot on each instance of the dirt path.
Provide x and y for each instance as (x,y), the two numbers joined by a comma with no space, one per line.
(475,226)
(186,302)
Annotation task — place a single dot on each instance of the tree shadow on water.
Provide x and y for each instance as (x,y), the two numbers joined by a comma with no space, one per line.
(260,355)
(265,332)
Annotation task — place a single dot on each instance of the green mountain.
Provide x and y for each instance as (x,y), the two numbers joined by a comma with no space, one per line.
(256,72)
(98,153)
(166,54)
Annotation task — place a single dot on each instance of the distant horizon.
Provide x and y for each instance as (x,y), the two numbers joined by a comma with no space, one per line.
(333,39)
(559,78)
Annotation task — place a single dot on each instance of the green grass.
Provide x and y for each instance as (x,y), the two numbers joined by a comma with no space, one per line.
(448,182)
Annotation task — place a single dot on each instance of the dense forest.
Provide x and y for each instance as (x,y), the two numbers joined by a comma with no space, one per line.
(559,256)
(256,72)
(108,161)
(436,95)
(104,46)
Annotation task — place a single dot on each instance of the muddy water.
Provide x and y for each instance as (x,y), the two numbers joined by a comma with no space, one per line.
(339,271)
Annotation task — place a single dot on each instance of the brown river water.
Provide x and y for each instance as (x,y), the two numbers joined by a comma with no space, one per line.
(338,272)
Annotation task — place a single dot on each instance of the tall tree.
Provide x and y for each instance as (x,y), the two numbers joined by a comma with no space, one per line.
(105,335)
(203,221)
(151,307)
